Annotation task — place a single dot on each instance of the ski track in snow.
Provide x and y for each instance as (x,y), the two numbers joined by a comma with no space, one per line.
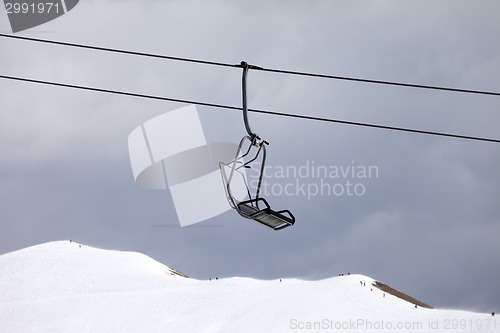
(65,287)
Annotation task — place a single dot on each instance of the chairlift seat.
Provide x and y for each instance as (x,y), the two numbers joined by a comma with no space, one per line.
(250,209)
(275,220)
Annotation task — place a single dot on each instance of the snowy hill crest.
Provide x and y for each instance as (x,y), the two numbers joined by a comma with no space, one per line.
(62,286)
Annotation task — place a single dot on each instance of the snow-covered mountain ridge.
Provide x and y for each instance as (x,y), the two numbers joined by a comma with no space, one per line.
(68,287)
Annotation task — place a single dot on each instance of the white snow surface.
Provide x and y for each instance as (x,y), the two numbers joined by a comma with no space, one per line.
(67,287)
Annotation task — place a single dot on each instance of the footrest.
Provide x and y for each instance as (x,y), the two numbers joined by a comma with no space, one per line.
(275,220)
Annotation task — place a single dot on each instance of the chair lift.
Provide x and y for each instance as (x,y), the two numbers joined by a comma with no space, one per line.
(256,207)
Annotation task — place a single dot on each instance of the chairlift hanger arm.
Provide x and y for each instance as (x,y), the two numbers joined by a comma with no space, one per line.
(244,97)
(254,137)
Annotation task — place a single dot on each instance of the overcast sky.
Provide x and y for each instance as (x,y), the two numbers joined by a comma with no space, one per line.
(427,223)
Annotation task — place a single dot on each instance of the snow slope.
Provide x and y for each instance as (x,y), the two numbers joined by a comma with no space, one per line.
(65,287)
